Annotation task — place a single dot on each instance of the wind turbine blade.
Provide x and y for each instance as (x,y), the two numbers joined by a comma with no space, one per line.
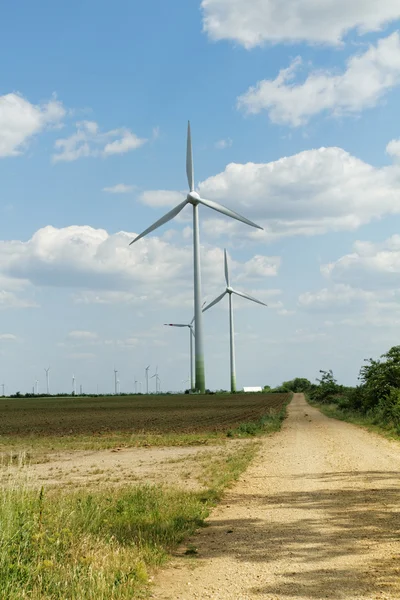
(243,295)
(189,160)
(226,268)
(175,325)
(170,215)
(214,302)
(227,211)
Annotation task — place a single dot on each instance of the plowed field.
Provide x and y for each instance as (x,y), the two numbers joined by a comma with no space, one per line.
(135,414)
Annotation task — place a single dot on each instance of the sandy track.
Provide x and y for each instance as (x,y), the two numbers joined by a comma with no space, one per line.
(316,516)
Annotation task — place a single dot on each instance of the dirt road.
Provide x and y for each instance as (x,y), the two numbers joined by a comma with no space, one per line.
(316,516)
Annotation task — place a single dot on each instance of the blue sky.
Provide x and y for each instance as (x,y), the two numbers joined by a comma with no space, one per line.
(294,114)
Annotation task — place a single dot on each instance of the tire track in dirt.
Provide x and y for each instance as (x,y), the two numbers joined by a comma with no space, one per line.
(317,515)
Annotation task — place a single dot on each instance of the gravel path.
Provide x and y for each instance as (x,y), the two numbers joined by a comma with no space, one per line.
(317,515)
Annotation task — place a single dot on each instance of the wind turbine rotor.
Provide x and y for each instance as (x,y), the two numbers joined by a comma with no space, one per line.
(218,299)
(226,268)
(189,159)
(248,297)
(170,215)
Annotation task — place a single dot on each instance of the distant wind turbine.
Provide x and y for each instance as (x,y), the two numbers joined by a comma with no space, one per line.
(73,386)
(194,199)
(191,336)
(147,379)
(229,290)
(157,380)
(116,381)
(47,380)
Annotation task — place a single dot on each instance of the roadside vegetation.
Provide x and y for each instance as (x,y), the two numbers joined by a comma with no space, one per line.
(105,543)
(374,402)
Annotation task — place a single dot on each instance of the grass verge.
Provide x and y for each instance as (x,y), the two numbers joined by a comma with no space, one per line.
(101,545)
(366,421)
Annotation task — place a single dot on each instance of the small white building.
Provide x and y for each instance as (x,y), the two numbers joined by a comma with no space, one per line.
(253,389)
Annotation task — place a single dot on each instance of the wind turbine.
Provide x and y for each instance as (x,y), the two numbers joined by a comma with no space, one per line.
(191,335)
(37,387)
(229,290)
(73,386)
(157,380)
(116,381)
(47,380)
(147,379)
(194,199)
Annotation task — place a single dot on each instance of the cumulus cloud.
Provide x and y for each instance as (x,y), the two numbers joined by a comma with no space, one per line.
(8,337)
(161,197)
(107,270)
(254,22)
(370,265)
(20,121)
(119,188)
(11,300)
(310,193)
(88,140)
(223,144)
(367,78)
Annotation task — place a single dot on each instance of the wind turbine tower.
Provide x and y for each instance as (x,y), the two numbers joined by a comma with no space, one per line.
(116,381)
(230,291)
(147,379)
(195,200)
(47,380)
(191,336)
(73,385)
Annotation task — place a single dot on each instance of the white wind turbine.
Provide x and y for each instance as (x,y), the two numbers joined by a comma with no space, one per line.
(48,380)
(157,380)
(191,336)
(194,199)
(229,290)
(147,378)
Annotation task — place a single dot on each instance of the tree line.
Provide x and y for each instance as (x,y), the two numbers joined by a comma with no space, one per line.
(376,396)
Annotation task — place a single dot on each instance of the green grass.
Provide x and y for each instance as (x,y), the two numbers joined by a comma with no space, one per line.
(367,421)
(101,545)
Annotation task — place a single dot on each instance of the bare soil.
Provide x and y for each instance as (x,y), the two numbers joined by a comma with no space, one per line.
(317,515)
(180,466)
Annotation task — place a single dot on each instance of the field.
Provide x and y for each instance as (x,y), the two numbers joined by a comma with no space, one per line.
(179,414)
(95,493)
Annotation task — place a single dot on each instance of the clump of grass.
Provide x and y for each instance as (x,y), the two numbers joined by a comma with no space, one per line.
(267,424)
(90,545)
(102,545)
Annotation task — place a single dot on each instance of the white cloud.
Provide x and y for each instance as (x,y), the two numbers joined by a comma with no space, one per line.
(119,188)
(161,197)
(90,141)
(8,337)
(223,144)
(11,300)
(393,149)
(127,141)
(82,335)
(338,297)
(107,270)
(370,265)
(367,78)
(259,267)
(20,121)
(310,193)
(254,22)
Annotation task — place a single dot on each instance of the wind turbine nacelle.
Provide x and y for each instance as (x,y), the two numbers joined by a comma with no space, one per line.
(193,197)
